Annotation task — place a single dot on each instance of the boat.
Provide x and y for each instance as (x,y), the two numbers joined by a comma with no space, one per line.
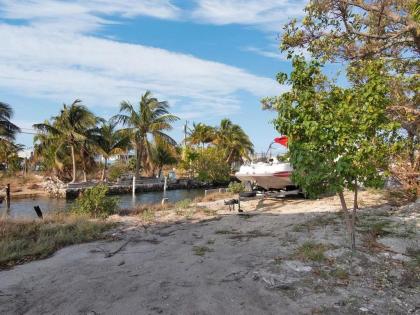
(270,174)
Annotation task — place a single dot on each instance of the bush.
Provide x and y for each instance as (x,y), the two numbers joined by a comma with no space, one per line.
(116,170)
(236,188)
(94,202)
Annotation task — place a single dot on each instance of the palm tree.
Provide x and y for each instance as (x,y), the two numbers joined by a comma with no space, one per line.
(201,134)
(68,129)
(8,130)
(162,155)
(150,120)
(110,142)
(233,140)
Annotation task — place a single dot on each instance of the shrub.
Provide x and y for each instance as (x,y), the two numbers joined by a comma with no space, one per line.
(235,187)
(116,170)
(94,202)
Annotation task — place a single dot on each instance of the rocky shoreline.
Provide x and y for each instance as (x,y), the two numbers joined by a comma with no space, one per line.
(70,191)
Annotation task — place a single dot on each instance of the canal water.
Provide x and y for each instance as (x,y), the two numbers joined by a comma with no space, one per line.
(24,208)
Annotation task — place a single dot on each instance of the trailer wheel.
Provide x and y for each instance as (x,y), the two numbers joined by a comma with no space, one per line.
(247,194)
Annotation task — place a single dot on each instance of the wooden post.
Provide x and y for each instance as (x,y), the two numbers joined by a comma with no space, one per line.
(134,185)
(165,186)
(8,196)
(38,212)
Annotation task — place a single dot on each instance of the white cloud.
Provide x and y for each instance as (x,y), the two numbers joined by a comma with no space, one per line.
(55,55)
(83,15)
(64,66)
(265,14)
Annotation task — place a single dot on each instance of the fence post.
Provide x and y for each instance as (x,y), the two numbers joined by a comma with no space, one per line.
(134,185)
(8,196)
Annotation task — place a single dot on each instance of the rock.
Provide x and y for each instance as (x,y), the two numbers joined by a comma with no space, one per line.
(401,257)
(398,245)
(334,253)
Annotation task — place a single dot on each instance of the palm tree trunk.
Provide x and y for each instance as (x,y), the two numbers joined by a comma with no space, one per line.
(83,166)
(104,177)
(230,157)
(138,157)
(73,159)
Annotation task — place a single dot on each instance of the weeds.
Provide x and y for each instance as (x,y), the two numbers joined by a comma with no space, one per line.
(148,215)
(311,251)
(208,212)
(201,250)
(225,232)
(213,197)
(319,221)
(183,204)
(23,241)
(400,197)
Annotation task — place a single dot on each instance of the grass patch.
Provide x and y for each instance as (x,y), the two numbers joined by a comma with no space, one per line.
(183,204)
(208,212)
(379,225)
(148,215)
(249,235)
(214,196)
(311,251)
(319,221)
(26,240)
(227,232)
(340,273)
(400,197)
(201,250)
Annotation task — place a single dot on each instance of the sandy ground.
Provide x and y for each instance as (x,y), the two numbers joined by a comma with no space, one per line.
(219,262)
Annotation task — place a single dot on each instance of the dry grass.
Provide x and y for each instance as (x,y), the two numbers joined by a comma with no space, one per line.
(17,180)
(400,197)
(318,221)
(26,240)
(214,196)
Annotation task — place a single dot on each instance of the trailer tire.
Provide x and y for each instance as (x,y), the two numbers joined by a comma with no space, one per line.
(247,194)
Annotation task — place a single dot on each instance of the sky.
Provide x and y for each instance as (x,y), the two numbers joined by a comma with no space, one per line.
(210,59)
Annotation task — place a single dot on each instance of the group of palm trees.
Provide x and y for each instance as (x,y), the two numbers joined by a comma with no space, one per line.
(73,139)
(78,133)
(229,138)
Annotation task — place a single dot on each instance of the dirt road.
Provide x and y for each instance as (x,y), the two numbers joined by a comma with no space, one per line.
(229,264)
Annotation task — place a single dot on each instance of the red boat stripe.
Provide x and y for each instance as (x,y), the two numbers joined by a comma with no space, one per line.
(283,174)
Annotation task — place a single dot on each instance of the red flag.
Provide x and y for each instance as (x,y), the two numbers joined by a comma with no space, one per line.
(281,140)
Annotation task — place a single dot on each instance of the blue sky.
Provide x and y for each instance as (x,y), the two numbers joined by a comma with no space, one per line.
(210,59)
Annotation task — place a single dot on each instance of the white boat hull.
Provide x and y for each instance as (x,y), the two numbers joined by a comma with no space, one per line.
(266,175)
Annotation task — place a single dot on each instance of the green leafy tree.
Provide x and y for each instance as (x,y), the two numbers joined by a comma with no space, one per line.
(339,138)
(355,31)
(211,166)
(151,119)
(67,130)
